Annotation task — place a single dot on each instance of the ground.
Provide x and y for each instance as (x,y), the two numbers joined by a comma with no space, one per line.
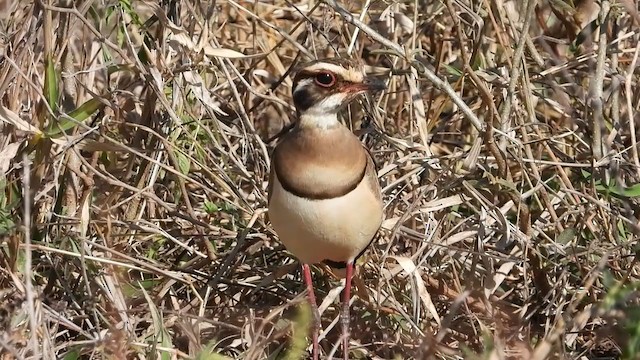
(134,160)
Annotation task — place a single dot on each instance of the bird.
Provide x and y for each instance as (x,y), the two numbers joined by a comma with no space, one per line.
(324,197)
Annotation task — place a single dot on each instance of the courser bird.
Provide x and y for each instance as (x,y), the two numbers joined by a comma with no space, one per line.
(325,202)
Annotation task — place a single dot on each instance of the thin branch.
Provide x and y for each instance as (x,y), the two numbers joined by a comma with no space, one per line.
(595,89)
(514,75)
(418,62)
(29,291)
(628,95)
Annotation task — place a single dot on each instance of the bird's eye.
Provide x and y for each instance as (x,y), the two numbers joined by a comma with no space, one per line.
(325,79)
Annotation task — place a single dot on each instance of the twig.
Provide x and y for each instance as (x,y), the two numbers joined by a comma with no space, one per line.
(514,75)
(629,94)
(418,62)
(595,89)
(29,291)
(89,26)
(357,31)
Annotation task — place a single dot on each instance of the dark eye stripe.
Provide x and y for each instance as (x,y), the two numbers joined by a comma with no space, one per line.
(307,91)
(303,99)
(306,94)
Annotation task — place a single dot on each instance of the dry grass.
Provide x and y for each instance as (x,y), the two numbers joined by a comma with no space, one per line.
(139,133)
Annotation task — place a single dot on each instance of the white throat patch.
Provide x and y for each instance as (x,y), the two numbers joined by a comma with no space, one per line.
(320,120)
(325,113)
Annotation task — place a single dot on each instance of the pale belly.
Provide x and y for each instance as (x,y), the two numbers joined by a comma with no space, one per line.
(333,229)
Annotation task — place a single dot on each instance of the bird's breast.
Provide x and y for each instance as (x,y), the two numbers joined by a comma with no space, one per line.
(320,163)
(335,229)
(325,201)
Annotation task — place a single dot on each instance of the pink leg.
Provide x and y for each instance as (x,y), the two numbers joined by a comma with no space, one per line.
(314,309)
(345,310)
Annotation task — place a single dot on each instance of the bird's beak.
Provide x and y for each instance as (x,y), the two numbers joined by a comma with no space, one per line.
(374,85)
(368,85)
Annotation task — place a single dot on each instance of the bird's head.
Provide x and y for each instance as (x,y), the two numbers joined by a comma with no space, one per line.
(322,87)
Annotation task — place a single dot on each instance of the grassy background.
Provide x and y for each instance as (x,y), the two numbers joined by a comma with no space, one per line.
(134,154)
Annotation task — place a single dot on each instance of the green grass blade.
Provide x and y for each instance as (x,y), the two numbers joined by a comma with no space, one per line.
(301,326)
(51,91)
(77,116)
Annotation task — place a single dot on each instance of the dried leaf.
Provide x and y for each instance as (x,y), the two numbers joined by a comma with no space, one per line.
(12,118)
(410,268)
(7,155)
(224,53)
(201,92)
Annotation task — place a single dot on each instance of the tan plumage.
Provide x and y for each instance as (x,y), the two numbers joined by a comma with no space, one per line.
(325,202)
(324,195)
(332,208)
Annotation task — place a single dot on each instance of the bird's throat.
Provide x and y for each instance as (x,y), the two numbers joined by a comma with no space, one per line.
(318,119)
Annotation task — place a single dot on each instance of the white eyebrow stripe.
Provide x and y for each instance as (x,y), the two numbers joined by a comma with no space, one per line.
(350,74)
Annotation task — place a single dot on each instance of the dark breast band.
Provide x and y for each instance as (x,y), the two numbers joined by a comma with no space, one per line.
(326,194)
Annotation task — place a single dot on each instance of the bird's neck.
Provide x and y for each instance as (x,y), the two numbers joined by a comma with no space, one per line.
(316,118)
